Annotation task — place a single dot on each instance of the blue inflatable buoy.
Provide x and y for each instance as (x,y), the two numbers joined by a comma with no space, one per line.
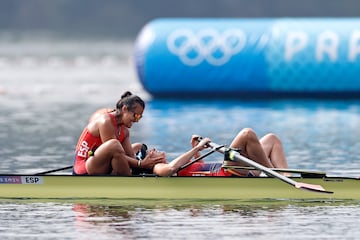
(292,57)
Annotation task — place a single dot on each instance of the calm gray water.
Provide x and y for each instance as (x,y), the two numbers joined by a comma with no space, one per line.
(48,89)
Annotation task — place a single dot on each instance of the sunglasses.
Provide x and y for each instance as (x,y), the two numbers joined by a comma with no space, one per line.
(137,116)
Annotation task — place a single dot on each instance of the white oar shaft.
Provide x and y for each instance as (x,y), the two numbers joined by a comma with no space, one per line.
(312,173)
(236,156)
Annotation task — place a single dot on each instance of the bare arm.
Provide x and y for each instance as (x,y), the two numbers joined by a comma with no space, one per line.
(126,144)
(168,169)
(107,131)
(195,141)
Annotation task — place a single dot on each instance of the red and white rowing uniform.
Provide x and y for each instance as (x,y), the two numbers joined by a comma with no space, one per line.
(88,143)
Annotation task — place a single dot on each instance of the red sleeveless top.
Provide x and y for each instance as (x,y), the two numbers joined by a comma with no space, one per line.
(88,142)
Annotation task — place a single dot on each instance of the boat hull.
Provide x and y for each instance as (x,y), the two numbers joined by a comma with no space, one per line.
(162,188)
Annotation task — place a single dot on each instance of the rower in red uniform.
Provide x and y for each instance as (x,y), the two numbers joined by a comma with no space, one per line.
(88,143)
(267,151)
(104,146)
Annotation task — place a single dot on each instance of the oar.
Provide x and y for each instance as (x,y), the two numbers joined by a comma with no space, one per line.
(236,156)
(54,170)
(302,172)
(214,149)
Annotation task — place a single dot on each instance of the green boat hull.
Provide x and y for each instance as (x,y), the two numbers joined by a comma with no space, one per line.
(172,188)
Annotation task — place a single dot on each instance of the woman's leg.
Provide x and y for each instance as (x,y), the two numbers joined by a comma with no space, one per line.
(249,144)
(109,158)
(274,150)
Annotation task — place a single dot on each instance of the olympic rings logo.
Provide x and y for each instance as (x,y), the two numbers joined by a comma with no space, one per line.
(206,45)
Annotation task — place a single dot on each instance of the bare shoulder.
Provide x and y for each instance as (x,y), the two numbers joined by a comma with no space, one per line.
(100,113)
(103,118)
(99,121)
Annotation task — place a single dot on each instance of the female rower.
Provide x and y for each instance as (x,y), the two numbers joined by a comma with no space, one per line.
(268,151)
(104,146)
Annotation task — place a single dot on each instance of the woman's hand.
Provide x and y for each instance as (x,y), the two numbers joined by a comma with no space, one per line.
(203,143)
(152,158)
(194,140)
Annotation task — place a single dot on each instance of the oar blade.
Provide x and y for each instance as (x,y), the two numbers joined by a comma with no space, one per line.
(312,187)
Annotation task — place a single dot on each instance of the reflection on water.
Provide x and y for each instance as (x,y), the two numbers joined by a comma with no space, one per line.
(263,221)
(209,221)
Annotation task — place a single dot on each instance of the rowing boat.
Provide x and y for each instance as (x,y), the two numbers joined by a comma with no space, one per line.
(314,185)
(149,187)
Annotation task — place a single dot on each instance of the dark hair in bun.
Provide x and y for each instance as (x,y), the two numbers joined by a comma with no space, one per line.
(129,100)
